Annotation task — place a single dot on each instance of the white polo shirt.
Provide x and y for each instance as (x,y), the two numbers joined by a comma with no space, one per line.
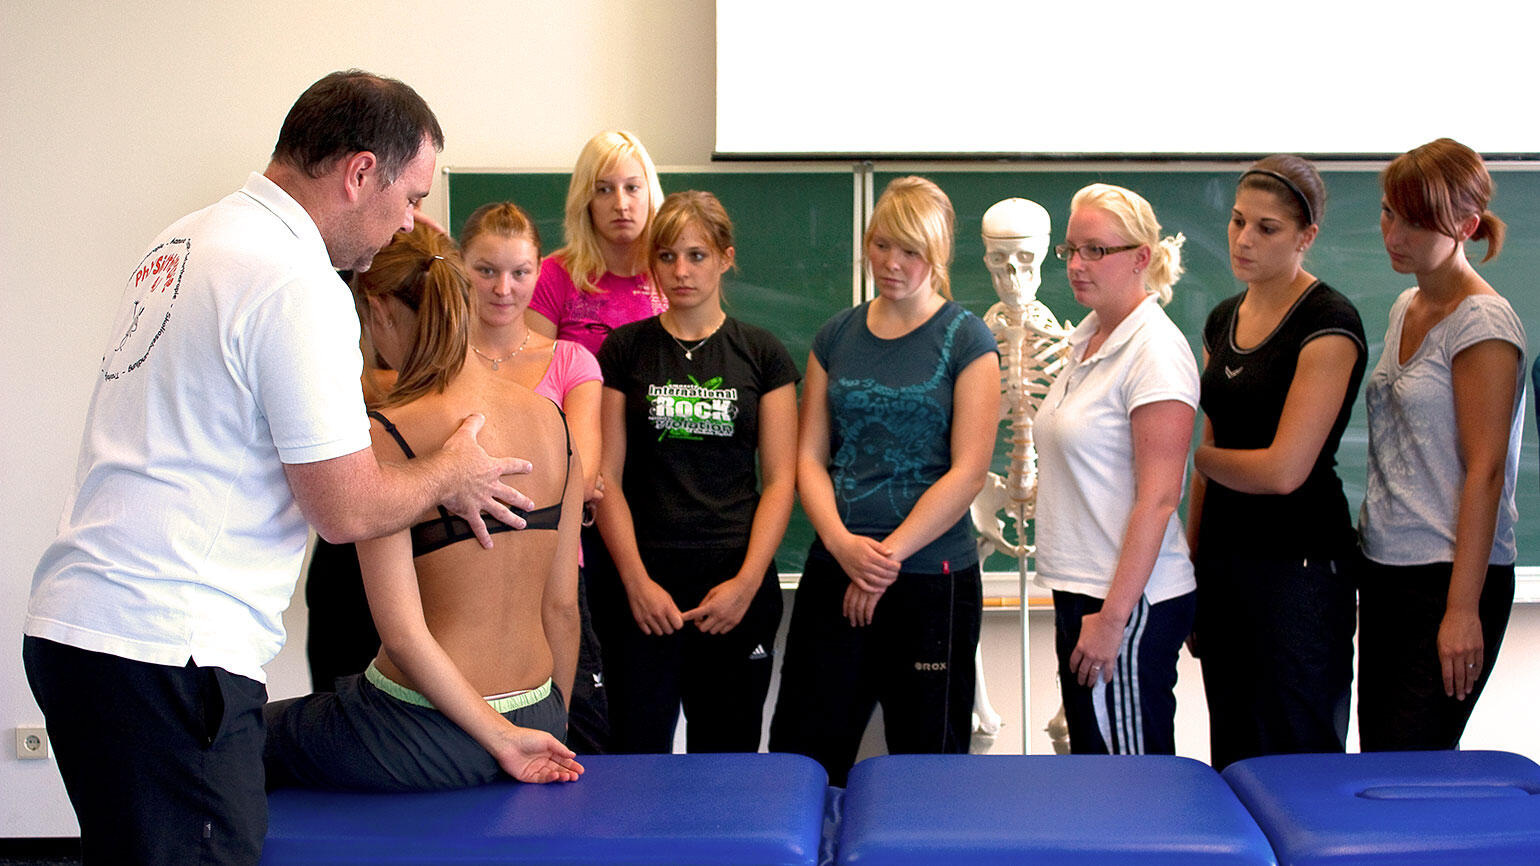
(1086,456)
(235,351)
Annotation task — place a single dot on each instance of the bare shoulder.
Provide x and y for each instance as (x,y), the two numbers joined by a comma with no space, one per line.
(521,423)
(421,425)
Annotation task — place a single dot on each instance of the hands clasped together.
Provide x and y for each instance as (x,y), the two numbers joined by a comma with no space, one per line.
(872,569)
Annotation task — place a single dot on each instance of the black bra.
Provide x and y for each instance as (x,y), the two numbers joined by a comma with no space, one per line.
(447,529)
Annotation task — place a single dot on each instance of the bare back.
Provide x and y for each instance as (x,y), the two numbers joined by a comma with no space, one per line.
(484,607)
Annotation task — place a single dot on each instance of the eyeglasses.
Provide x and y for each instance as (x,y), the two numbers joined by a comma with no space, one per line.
(1090,252)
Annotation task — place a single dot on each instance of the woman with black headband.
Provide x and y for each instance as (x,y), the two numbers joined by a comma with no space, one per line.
(1268,523)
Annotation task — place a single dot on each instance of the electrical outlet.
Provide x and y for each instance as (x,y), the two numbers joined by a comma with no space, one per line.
(31,742)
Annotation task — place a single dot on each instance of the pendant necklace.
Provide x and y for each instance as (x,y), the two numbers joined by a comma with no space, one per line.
(689,351)
(497,363)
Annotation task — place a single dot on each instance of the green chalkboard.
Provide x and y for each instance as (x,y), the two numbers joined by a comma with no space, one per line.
(796,232)
(794,242)
(1348,254)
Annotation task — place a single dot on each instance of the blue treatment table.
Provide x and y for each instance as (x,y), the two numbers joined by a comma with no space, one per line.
(1403,808)
(626,809)
(1050,809)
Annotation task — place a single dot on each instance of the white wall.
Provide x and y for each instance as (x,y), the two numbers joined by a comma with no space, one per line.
(116,119)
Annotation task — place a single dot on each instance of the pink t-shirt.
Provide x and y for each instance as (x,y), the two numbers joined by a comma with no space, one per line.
(586,318)
(571,365)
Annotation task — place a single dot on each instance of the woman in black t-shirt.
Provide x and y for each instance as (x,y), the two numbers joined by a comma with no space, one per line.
(1268,523)
(691,398)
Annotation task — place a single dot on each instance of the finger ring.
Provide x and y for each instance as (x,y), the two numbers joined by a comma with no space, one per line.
(1096,667)
(1470,664)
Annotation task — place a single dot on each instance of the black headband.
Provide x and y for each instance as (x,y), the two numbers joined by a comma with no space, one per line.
(1298,194)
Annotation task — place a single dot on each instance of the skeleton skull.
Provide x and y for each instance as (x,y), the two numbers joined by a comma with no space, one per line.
(1016,233)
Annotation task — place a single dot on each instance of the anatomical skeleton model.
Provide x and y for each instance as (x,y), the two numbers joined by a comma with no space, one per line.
(1034,346)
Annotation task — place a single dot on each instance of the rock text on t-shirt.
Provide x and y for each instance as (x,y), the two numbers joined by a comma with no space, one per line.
(692,411)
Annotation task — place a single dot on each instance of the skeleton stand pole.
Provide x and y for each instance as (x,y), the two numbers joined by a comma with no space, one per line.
(1026,651)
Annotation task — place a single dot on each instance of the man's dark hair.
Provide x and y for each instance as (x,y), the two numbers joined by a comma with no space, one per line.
(351,111)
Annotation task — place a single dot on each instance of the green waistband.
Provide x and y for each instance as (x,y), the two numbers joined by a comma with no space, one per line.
(502,705)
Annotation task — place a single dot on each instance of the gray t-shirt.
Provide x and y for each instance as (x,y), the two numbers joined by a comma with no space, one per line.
(1415,473)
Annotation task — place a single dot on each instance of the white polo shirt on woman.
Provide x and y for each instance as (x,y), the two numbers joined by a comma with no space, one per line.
(1085,450)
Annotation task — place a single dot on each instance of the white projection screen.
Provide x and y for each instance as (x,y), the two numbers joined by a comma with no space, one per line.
(1121,78)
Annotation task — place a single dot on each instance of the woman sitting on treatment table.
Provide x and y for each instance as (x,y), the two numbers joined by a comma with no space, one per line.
(457,622)
(501,250)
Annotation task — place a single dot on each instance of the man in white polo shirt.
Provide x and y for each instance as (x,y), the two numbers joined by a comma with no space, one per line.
(227,415)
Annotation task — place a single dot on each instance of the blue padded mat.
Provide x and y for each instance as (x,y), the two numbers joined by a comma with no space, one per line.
(1403,808)
(626,809)
(907,810)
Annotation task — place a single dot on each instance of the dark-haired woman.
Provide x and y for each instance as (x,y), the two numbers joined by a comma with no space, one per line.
(478,645)
(1268,521)
(1446,409)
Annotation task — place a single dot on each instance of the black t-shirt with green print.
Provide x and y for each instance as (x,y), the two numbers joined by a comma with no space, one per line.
(692,428)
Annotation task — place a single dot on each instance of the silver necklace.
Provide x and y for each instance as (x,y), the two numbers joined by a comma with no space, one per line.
(497,363)
(689,351)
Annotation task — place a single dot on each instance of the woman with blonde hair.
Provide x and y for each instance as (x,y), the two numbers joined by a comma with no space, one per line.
(478,645)
(897,429)
(691,398)
(599,280)
(1268,522)
(1446,412)
(1112,437)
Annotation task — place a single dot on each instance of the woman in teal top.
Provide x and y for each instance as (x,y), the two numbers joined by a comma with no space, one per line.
(897,429)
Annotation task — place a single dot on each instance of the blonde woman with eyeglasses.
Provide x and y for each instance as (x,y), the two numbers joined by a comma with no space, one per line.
(1112,438)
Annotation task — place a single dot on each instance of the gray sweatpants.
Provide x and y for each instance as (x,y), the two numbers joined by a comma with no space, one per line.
(361,739)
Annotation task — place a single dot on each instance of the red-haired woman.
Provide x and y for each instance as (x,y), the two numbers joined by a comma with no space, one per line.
(1446,409)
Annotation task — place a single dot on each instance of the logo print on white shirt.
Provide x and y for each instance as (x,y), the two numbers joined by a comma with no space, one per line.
(153,286)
